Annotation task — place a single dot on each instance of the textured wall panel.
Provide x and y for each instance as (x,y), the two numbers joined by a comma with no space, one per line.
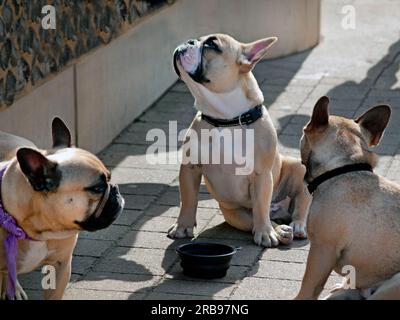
(29,54)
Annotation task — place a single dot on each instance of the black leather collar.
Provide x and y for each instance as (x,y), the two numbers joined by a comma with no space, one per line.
(246,118)
(313,185)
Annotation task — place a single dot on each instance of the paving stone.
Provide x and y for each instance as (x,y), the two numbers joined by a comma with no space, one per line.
(137,202)
(278,270)
(81,265)
(137,261)
(84,294)
(167,160)
(269,289)
(157,210)
(31,280)
(202,288)
(162,224)
(154,224)
(345,91)
(116,282)
(295,129)
(128,217)
(151,240)
(234,274)
(172,198)
(113,232)
(34,294)
(179,86)
(266,289)
(149,189)
(288,255)
(140,126)
(218,228)
(91,247)
(185,97)
(142,176)
(176,296)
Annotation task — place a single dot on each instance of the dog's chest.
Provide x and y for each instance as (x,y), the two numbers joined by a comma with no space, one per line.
(32,256)
(225,185)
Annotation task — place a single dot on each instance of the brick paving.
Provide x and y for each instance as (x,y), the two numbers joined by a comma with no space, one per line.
(134,259)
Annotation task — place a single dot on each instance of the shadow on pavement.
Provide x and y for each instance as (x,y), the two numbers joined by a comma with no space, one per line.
(350,98)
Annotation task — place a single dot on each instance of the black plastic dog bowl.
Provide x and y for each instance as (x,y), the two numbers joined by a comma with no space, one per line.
(205,260)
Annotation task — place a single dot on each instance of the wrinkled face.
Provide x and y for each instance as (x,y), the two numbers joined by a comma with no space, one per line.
(332,141)
(72,191)
(217,61)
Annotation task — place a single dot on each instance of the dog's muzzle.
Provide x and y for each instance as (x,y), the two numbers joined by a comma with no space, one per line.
(108,209)
(190,56)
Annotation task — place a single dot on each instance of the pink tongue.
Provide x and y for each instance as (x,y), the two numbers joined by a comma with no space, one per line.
(190,59)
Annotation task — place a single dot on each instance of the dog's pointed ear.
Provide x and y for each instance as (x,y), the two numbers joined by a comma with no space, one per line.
(61,134)
(253,52)
(373,123)
(42,173)
(320,115)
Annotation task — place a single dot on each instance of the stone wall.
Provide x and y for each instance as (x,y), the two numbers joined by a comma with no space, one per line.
(29,54)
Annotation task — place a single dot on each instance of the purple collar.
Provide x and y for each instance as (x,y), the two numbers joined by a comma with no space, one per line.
(14,233)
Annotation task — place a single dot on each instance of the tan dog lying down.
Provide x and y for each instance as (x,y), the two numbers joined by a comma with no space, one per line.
(217,70)
(354,218)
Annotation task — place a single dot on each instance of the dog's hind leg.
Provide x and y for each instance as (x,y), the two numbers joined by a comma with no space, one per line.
(339,292)
(389,290)
(239,218)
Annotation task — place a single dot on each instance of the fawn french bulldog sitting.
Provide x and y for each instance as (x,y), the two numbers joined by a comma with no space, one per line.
(46,198)
(354,217)
(218,71)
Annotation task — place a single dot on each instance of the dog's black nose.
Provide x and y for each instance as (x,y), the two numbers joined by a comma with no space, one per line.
(191,42)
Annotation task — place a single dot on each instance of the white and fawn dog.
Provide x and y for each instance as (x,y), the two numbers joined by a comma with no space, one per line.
(217,70)
(354,217)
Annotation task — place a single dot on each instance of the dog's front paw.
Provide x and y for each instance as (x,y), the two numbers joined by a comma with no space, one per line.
(299,229)
(179,232)
(266,238)
(19,292)
(285,234)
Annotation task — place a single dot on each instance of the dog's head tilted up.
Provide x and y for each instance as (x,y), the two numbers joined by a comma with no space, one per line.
(217,70)
(60,191)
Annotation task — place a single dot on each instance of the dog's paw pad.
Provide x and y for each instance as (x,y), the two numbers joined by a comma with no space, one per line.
(285,233)
(266,239)
(299,229)
(177,232)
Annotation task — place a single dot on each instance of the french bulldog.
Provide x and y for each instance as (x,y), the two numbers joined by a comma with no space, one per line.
(53,195)
(354,218)
(218,72)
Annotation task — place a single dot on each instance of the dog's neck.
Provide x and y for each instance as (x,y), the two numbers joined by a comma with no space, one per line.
(228,105)
(315,168)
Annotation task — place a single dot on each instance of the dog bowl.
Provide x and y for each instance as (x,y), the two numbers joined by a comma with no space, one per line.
(205,260)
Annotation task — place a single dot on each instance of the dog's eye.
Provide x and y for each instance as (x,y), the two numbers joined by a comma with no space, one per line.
(98,188)
(210,44)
